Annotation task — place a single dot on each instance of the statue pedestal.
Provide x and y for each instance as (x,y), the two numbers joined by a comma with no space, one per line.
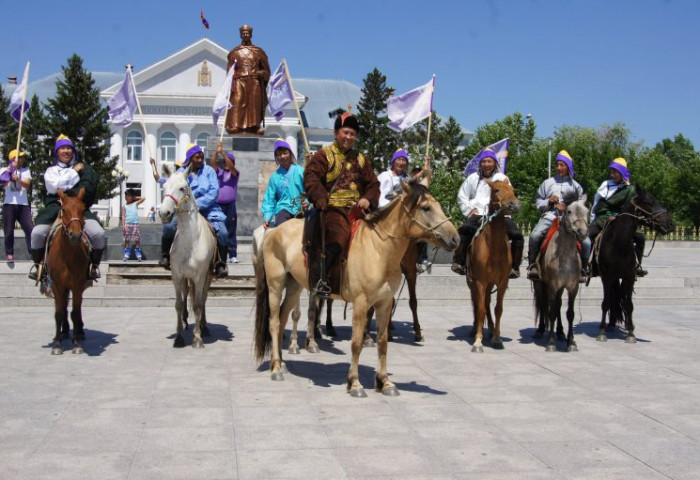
(255,162)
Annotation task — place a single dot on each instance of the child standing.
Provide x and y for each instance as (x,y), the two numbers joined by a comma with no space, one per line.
(130,224)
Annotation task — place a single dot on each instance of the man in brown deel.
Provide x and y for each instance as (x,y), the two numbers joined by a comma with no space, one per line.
(337,179)
(248,97)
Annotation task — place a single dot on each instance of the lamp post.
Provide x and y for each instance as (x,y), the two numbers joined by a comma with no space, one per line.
(549,158)
(120,174)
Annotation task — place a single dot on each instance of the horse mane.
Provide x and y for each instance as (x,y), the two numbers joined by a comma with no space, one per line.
(70,193)
(416,191)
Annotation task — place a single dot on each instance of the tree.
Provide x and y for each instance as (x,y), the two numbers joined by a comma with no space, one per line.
(375,139)
(76,111)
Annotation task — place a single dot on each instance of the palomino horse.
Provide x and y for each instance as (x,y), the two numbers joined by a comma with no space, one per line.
(68,263)
(560,265)
(372,275)
(191,255)
(617,262)
(490,262)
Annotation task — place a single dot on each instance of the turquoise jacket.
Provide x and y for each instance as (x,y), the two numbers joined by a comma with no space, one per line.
(284,192)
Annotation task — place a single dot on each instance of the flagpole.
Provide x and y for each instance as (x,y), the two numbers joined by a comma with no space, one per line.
(25,79)
(223,129)
(296,106)
(430,123)
(138,104)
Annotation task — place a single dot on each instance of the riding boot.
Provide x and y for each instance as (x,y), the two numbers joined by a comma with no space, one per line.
(639,253)
(330,284)
(165,245)
(517,253)
(221,270)
(459,259)
(37,257)
(95,258)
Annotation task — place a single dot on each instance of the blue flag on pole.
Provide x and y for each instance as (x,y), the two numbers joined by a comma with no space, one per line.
(500,148)
(18,104)
(123,104)
(279,92)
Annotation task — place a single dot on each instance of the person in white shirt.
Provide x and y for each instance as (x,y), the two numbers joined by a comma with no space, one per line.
(473,198)
(16,180)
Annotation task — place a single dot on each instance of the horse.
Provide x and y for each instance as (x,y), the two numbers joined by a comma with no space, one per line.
(617,261)
(191,255)
(371,277)
(560,265)
(68,262)
(490,263)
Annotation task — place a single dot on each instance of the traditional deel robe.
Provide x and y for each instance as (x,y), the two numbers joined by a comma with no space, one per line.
(342,178)
(609,200)
(284,191)
(65,178)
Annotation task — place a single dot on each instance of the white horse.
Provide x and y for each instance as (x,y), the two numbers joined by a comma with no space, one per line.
(191,255)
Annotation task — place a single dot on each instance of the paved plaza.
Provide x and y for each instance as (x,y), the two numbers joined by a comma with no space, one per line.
(135,408)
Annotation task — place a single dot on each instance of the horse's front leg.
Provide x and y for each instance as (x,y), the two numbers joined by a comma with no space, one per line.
(367,340)
(198,309)
(496,341)
(330,329)
(605,308)
(413,303)
(383,312)
(627,289)
(479,301)
(180,310)
(60,300)
(311,345)
(359,320)
(293,348)
(487,311)
(570,314)
(552,314)
(76,316)
(205,326)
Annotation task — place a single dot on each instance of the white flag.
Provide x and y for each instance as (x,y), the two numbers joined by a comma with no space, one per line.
(410,108)
(123,104)
(18,104)
(221,103)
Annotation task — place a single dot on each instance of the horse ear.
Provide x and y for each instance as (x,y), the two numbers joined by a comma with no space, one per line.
(583,198)
(81,194)
(489,182)
(406,186)
(188,170)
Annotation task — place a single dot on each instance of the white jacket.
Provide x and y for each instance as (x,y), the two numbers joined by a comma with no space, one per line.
(476,194)
(61,177)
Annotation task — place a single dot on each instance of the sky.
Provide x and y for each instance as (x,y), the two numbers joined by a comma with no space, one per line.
(565,62)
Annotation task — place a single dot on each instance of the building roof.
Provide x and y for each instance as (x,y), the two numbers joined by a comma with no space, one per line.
(324,96)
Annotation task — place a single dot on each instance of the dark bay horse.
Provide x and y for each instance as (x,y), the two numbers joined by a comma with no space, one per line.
(490,262)
(560,265)
(372,276)
(68,263)
(616,259)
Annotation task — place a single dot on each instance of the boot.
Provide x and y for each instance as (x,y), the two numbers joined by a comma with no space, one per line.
(533,271)
(220,269)
(165,245)
(459,259)
(38,257)
(95,258)
(517,252)
(127,253)
(137,251)
(640,272)
(585,273)
(324,288)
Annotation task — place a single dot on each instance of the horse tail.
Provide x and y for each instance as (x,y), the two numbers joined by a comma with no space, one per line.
(263,339)
(541,302)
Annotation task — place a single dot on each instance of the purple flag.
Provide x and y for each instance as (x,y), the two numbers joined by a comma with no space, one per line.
(279,92)
(18,104)
(500,148)
(123,104)
(410,108)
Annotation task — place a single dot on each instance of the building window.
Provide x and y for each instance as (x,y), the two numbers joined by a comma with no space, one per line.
(168,147)
(202,142)
(134,146)
(135,186)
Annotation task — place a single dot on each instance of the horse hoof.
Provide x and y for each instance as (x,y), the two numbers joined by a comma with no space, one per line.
(77,350)
(277,376)
(369,343)
(391,391)
(631,339)
(550,348)
(420,338)
(602,338)
(572,348)
(294,351)
(497,345)
(56,351)
(477,349)
(357,392)
(197,343)
(313,349)
(179,342)
(330,332)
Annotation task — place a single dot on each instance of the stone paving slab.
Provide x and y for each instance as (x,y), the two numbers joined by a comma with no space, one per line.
(133,407)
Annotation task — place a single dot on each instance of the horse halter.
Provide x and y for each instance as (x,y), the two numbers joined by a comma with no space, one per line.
(649,216)
(65,224)
(430,230)
(176,201)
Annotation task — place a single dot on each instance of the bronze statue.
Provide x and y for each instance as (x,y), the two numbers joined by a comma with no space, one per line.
(248,96)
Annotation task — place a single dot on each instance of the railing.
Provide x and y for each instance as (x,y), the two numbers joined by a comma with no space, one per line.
(683,233)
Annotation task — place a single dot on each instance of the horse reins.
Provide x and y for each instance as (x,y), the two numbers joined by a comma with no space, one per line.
(428,229)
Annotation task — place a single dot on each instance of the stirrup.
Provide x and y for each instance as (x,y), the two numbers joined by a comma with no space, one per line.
(323,290)
(34,272)
(94,273)
(533,273)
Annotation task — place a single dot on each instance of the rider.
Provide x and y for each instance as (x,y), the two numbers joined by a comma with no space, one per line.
(474,198)
(205,189)
(337,179)
(283,197)
(611,196)
(550,197)
(69,174)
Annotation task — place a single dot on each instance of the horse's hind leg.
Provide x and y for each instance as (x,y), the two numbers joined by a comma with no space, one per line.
(627,309)
(293,348)
(605,309)
(570,314)
(367,339)
(413,303)
(479,300)
(553,314)
(359,319)
(181,310)
(311,345)
(496,341)
(200,298)
(382,383)
(60,300)
(205,327)
(489,318)
(76,316)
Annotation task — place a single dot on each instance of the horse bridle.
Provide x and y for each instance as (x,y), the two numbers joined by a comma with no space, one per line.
(65,225)
(176,201)
(649,216)
(428,229)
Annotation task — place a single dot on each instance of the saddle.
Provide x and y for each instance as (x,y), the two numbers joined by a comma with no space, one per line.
(550,233)
(43,276)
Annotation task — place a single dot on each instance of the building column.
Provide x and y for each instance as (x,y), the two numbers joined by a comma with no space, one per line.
(149,188)
(116,148)
(184,140)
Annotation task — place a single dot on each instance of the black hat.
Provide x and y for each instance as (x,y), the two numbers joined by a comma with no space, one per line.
(348,120)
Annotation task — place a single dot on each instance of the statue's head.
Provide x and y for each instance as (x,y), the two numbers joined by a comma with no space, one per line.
(246,33)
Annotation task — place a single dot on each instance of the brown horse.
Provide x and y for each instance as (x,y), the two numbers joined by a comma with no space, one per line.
(372,276)
(490,262)
(68,264)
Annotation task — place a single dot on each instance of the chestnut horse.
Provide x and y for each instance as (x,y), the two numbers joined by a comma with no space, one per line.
(68,265)
(372,276)
(490,262)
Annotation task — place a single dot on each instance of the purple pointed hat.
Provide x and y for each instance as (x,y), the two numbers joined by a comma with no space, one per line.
(63,141)
(192,150)
(620,164)
(564,156)
(398,154)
